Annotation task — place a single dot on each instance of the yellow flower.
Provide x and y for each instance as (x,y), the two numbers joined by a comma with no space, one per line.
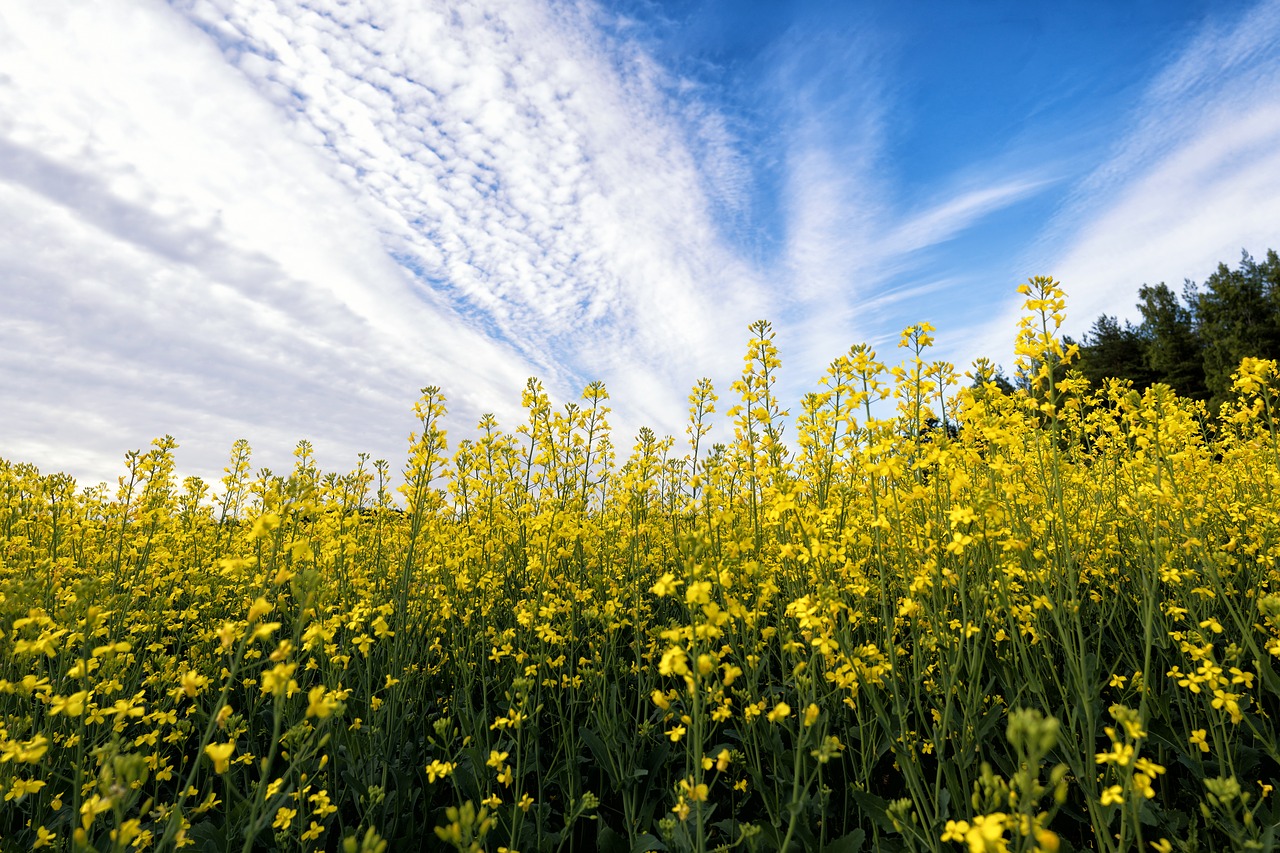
(227,635)
(298,550)
(722,760)
(91,808)
(674,662)
(260,607)
(439,770)
(23,752)
(1238,676)
(321,805)
(1121,753)
(284,817)
(22,787)
(72,706)
(1047,840)
(319,704)
(1142,784)
(665,586)
(129,832)
(279,679)
(986,834)
(44,838)
(811,715)
(1113,795)
(282,651)
(265,630)
(676,733)
(695,792)
(698,593)
(1149,767)
(1227,702)
(263,525)
(780,711)
(220,755)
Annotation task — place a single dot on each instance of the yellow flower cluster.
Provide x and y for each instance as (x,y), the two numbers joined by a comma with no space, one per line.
(809,629)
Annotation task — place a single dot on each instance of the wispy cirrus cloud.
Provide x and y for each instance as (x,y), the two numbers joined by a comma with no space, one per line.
(1193,178)
(535,179)
(176,261)
(278,220)
(855,248)
(947,218)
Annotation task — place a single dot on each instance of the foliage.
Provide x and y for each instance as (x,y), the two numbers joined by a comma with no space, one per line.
(1053,627)
(1113,351)
(1193,344)
(1238,314)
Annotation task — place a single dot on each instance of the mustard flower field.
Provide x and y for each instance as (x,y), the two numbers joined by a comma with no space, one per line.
(913,612)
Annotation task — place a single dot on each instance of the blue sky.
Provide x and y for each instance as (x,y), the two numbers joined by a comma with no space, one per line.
(278,219)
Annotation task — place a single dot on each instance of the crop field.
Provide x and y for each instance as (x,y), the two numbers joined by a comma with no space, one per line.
(915,612)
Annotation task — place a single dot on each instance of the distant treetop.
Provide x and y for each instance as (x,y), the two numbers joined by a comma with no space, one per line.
(1195,342)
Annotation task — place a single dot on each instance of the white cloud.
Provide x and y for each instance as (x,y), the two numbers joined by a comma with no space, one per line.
(278,219)
(949,217)
(1195,179)
(852,248)
(202,201)
(509,154)
(176,261)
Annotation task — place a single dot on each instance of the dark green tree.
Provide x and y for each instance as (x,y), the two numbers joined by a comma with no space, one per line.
(1238,315)
(1193,343)
(1112,350)
(1173,351)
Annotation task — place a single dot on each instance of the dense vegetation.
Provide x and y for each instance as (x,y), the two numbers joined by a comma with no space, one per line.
(1054,627)
(1193,343)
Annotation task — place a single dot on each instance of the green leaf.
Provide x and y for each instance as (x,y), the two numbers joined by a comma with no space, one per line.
(602,755)
(875,808)
(608,841)
(849,843)
(1268,674)
(647,842)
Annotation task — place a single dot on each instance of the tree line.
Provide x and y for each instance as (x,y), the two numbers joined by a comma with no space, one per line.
(1192,342)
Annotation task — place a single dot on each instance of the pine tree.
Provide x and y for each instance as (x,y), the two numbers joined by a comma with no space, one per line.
(1111,350)
(1172,348)
(1238,315)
